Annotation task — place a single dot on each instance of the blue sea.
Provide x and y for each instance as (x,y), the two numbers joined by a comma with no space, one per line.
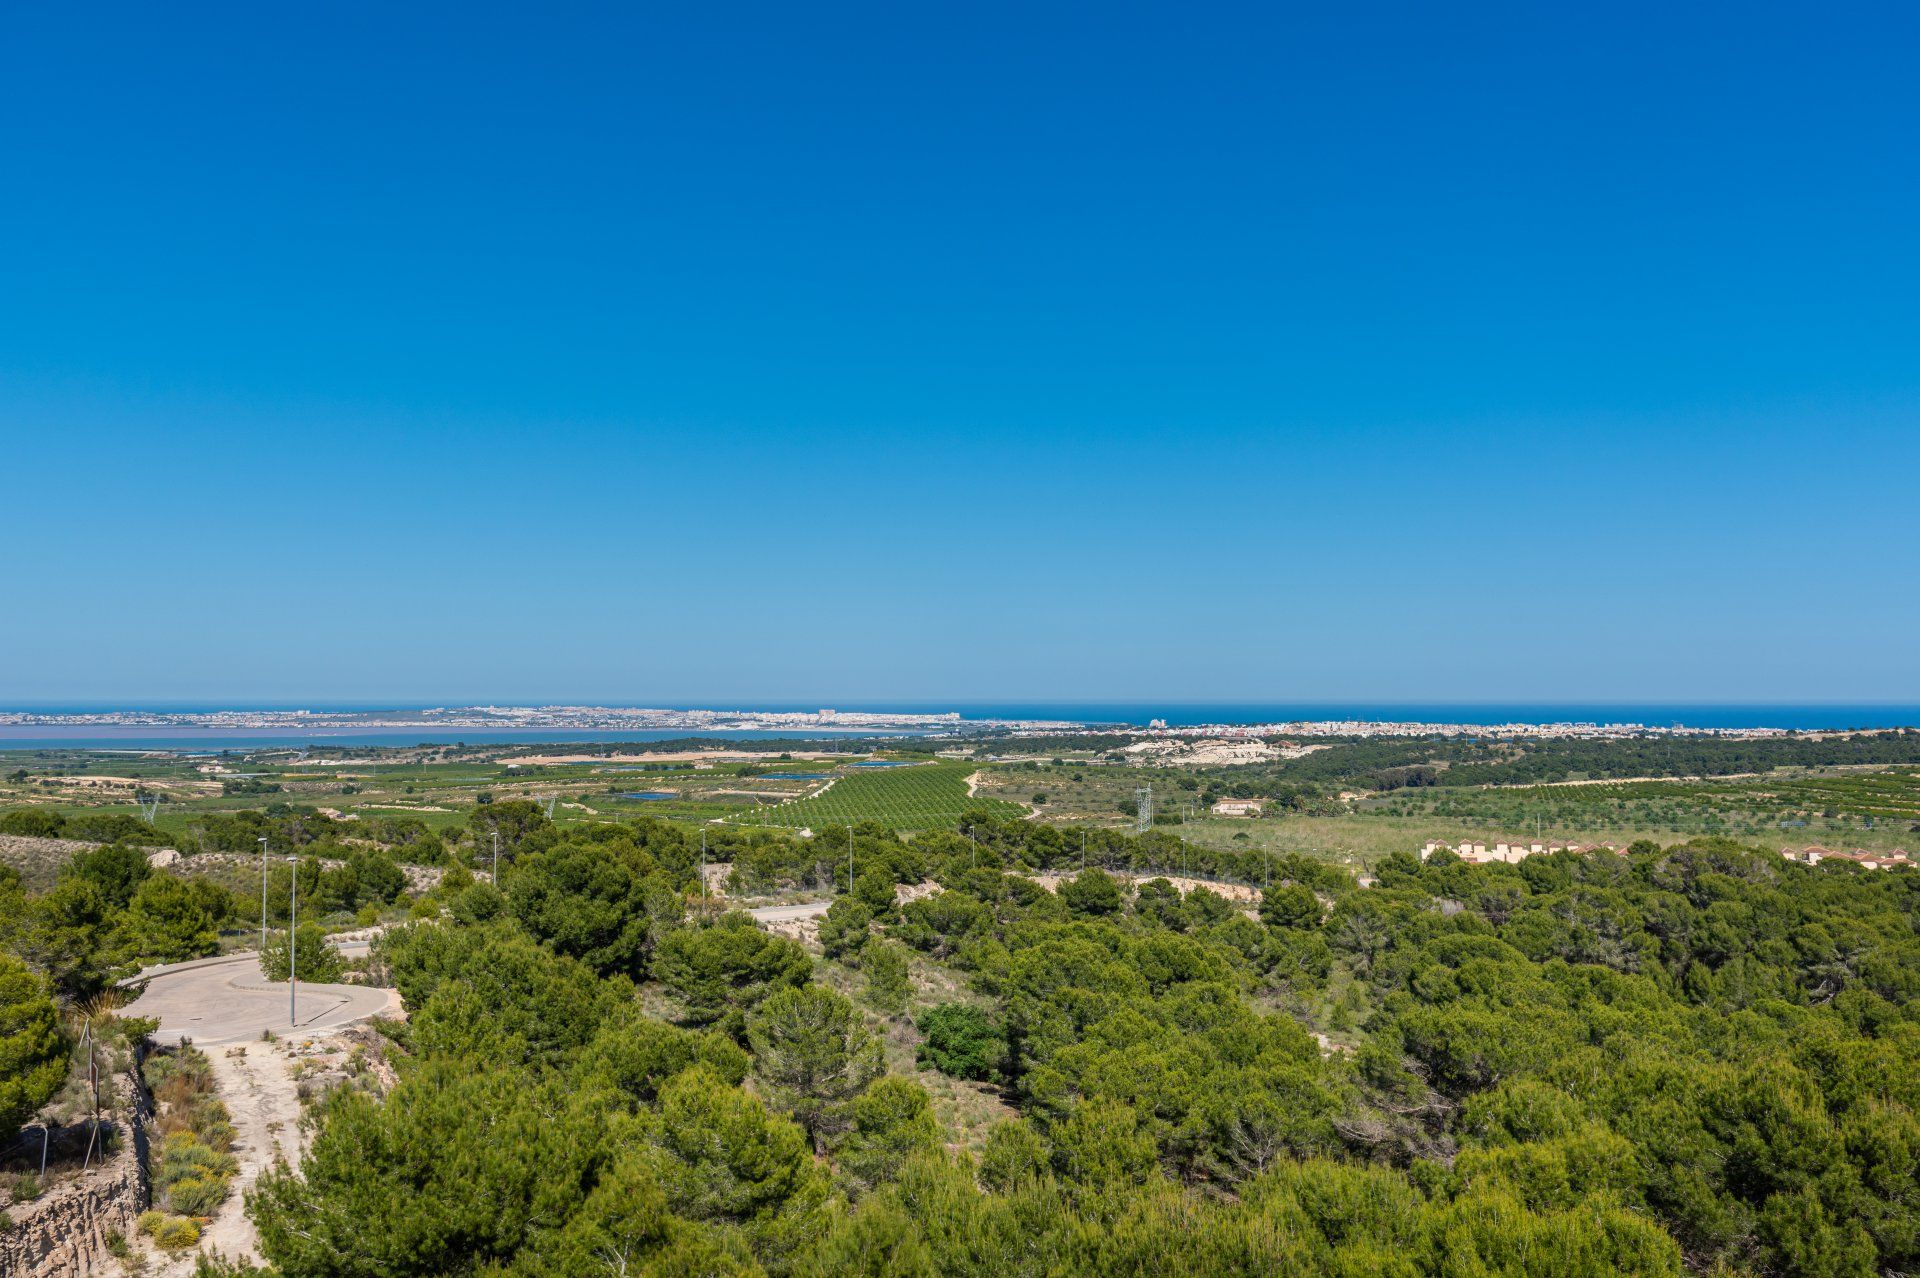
(1797,716)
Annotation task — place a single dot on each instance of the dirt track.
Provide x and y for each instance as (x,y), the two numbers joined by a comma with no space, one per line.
(256,1084)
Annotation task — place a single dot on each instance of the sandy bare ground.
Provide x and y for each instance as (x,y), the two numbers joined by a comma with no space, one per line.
(1232,891)
(259,1082)
(906,892)
(97,782)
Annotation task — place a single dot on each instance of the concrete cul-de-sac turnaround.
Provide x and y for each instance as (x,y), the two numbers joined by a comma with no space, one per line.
(222,1000)
(227,1000)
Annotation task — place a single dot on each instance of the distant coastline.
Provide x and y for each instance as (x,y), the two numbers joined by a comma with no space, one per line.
(176,727)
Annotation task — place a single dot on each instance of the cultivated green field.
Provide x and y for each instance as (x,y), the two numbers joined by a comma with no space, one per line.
(923,796)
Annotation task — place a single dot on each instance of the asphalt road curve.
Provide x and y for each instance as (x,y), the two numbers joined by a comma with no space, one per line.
(227,1000)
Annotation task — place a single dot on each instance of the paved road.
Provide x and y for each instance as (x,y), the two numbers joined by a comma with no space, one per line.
(226,1000)
(789,913)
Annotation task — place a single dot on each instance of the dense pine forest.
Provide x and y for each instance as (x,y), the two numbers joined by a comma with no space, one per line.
(1697,1058)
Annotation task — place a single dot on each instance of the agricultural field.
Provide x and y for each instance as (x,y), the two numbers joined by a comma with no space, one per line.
(1878,809)
(441,788)
(917,796)
(1869,807)
(437,787)
(1081,791)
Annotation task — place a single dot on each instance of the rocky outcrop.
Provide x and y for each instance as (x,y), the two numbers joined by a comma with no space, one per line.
(420,878)
(63,1233)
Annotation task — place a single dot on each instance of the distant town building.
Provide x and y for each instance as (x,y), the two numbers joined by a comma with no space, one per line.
(1503,853)
(1814,854)
(1239,807)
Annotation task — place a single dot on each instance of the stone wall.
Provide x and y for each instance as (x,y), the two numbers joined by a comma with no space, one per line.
(63,1233)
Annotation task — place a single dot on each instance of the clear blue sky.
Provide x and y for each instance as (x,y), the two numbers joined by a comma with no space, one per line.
(363,352)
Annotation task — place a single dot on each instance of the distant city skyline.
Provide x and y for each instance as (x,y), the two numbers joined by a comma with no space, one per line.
(189,727)
(1256,353)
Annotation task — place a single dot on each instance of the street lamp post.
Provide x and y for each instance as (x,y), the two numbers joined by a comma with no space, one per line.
(293,950)
(263,896)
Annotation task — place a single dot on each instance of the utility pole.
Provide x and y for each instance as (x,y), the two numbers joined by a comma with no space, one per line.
(263,896)
(93,1079)
(496,859)
(293,950)
(703,871)
(849,859)
(1083,849)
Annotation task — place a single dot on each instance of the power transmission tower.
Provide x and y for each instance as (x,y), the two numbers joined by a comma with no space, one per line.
(149,806)
(548,803)
(1143,808)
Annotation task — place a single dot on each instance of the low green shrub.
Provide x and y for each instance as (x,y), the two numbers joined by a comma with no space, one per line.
(190,1175)
(316,961)
(962,1041)
(175,1233)
(197,1196)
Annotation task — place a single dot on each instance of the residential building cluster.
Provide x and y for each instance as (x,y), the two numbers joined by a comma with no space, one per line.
(1865,859)
(1478,853)
(1411,728)
(1504,853)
